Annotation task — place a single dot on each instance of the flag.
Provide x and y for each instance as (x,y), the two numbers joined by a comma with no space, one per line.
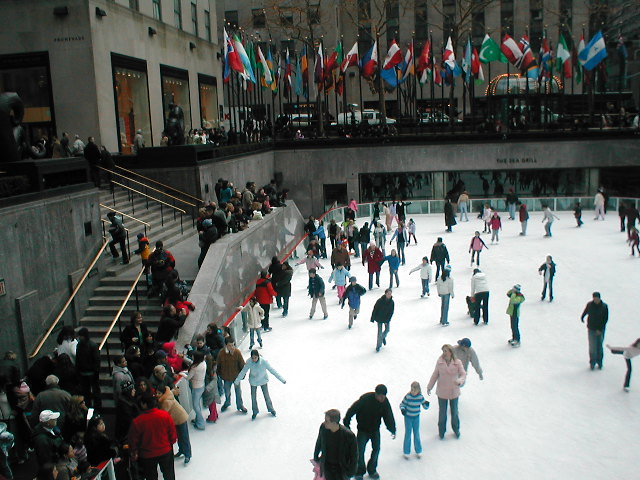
(546,58)
(351,59)
(409,68)
(435,74)
(466,62)
(370,61)
(476,67)
(622,48)
(231,59)
(319,68)
(299,83)
(528,64)
(576,60)
(490,51)
(449,58)
(340,84)
(393,76)
(563,58)
(511,50)
(265,78)
(424,61)
(251,52)
(335,60)
(304,62)
(288,70)
(594,53)
(274,74)
(247,73)
(394,56)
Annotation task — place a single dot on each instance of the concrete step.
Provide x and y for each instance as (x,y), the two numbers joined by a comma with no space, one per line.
(111,310)
(116,300)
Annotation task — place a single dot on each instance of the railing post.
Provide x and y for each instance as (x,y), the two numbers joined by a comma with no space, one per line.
(137,299)
(181,227)
(128,245)
(161,216)
(133,211)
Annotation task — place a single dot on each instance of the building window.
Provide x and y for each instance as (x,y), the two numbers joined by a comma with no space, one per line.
(598,14)
(132,101)
(194,18)
(506,16)
(177,14)
(393,20)
(286,17)
(157,10)
(314,14)
(207,24)
(287,44)
(421,21)
(259,18)
(448,19)
(566,20)
(231,17)
(134,5)
(536,26)
(175,91)
(477,25)
(208,101)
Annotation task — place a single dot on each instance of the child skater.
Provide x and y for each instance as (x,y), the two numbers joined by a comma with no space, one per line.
(577,212)
(255,314)
(410,408)
(411,226)
(425,275)
(496,226)
(486,217)
(634,239)
(476,246)
(340,275)
(628,353)
(394,264)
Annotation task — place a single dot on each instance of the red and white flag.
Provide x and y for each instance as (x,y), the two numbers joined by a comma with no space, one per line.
(351,59)
(511,50)
(394,56)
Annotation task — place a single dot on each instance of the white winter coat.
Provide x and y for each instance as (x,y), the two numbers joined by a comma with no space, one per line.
(254,315)
(445,287)
(425,271)
(479,283)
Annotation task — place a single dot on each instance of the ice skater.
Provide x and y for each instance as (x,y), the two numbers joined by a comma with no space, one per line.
(628,353)
(425,275)
(340,275)
(373,256)
(463,206)
(549,216)
(401,235)
(439,256)
(634,239)
(486,218)
(598,316)
(496,226)
(450,376)
(394,264)
(445,291)
(449,216)
(352,295)
(336,450)
(513,310)
(410,409)
(476,246)
(464,352)
(599,204)
(316,292)
(548,270)
(480,293)
(382,313)
(523,215)
(258,377)
(411,227)
(577,213)
(255,314)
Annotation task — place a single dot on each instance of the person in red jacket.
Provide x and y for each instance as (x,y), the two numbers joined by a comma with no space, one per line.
(373,256)
(265,292)
(151,440)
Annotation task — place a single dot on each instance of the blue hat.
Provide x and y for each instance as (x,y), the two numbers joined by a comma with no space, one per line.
(465,342)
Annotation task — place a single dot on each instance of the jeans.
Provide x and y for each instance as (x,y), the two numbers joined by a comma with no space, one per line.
(184,444)
(372,465)
(265,393)
(123,247)
(627,378)
(482,302)
(547,229)
(412,425)
(332,239)
(476,254)
(524,227)
(425,286)
(323,247)
(494,234)
(439,267)
(400,245)
(544,289)
(371,279)
(149,467)
(352,315)
(251,333)
(512,211)
(227,394)
(382,336)
(392,274)
(442,416)
(599,212)
(444,309)
(196,398)
(515,330)
(363,247)
(323,304)
(284,304)
(356,249)
(463,212)
(265,320)
(596,337)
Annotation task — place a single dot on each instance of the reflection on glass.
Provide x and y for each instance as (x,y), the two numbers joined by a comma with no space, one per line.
(209,105)
(133,107)
(32,84)
(176,91)
(391,186)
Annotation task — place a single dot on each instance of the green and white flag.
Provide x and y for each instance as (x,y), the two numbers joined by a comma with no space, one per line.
(490,51)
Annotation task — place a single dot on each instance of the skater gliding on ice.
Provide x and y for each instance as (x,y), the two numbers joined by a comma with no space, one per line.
(548,271)
(476,246)
(336,449)
(450,376)
(258,377)
(425,275)
(628,353)
(410,408)
(513,310)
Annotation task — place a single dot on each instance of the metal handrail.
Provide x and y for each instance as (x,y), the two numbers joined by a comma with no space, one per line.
(66,305)
(125,215)
(122,306)
(160,183)
(148,196)
(147,186)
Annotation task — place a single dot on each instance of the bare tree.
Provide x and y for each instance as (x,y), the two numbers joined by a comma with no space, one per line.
(458,17)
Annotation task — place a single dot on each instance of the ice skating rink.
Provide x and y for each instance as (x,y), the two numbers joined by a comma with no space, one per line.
(540,412)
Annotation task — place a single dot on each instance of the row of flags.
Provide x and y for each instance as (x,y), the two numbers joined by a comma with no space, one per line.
(251,64)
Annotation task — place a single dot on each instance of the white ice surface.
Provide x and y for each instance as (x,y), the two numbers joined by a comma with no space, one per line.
(540,413)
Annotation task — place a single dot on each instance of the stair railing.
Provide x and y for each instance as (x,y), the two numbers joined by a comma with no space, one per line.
(104,234)
(128,216)
(162,203)
(116,320)
(47,334)
(161,184)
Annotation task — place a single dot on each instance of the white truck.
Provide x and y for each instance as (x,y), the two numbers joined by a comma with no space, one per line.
(373,117)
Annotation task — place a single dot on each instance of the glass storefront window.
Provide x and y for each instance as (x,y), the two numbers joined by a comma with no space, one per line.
(208,104)
(132,107)
(176,91)
(416,185)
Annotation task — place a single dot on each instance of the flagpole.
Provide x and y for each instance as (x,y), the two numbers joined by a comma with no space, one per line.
(432,86)
(415,74)
(360,77)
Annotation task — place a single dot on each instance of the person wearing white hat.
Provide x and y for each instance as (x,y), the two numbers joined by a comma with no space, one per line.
(47,438)
(513,310)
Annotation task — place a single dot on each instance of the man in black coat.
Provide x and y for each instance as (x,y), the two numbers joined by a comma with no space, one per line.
(439,255)
(382,313)
(370,409)
(93,156)
(336,448)
(88,363)
(598,316)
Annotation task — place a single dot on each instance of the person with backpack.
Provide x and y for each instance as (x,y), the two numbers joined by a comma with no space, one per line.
(118,235)
(264,293)
(162,264)
(352,294)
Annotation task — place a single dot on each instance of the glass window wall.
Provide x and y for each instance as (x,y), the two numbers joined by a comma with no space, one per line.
(175,90)
(132,107)
(208,102)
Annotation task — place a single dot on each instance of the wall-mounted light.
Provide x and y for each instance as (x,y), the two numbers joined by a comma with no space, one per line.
(62,11)
(100,12)
(192,46)
(152,31)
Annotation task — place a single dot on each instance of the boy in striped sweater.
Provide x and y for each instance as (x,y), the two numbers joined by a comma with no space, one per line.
(410,408)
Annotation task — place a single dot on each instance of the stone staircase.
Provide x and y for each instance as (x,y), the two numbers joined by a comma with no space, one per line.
(113,287)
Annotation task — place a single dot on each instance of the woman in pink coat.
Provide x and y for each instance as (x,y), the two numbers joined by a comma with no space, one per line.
(476,246)
(450,375)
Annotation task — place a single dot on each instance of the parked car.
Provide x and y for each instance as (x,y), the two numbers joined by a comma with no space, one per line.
(436,117)
(373,117)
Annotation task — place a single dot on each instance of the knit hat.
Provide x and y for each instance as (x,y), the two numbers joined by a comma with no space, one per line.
(464,342)
(448,267)
(517,287)
(353,279)
(312,270)
(140,236)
